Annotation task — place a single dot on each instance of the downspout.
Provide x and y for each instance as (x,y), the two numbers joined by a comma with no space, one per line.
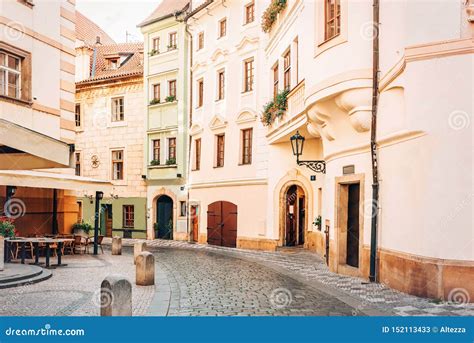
(190,102)
(373,142)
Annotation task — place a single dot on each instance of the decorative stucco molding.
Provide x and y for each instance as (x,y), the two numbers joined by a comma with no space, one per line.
(195,129)
(217,122)
(246,40)
(357,104)
(246,115)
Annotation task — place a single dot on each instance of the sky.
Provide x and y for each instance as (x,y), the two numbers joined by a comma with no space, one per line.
(116,17)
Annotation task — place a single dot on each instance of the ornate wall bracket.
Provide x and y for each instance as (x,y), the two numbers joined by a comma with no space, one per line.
(318,166)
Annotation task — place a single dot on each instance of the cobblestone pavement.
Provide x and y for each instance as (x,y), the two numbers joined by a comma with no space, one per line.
(74,290)
(203,284)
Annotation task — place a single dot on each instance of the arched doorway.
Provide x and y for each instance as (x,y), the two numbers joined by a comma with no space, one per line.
(164,217)
(295,216)
(222,224)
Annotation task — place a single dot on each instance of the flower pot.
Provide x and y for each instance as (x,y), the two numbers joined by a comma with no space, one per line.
(2,254)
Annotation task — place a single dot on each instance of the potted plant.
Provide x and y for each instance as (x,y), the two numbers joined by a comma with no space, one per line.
(275,108)
(271,14)
(171,161)
(318,222)
(170,98)
(7,229)
(155,162)
(82,228)
(153,52)
(154,101)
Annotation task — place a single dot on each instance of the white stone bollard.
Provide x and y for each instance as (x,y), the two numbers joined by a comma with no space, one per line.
(117,245)
(137,249)
(115,296)
(145,269)
(2,253)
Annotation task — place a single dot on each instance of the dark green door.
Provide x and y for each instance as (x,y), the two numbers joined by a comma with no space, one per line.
(164,218)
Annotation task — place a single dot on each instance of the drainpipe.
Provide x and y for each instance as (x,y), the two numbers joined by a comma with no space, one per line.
(190,118)
(373,142)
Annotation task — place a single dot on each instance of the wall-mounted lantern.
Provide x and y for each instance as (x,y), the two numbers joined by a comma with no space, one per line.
(297,144)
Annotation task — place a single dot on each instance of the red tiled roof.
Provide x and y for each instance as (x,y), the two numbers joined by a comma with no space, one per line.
(88,31)
(165,9)
(131,55)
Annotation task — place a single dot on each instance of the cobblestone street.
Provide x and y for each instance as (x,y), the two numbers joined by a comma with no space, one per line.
(202,280)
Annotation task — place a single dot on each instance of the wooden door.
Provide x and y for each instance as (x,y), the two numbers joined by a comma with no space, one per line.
(222,224)
(195,223)
(352,257)
(108,220)
(164,218)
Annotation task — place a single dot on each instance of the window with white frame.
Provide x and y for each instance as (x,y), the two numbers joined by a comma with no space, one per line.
(10,75)
(117,109)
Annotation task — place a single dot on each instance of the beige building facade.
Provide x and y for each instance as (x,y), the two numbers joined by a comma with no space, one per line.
(110,124)
(37,66)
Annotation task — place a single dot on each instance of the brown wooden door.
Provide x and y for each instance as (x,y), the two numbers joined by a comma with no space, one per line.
(352,257)
(195,223)
(222,224)
(108,220)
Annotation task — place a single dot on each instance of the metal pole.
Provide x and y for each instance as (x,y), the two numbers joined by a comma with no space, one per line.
(96,222)
(373,143)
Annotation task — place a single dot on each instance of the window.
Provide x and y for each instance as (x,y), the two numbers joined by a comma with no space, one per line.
(78,115)
(117,109)
(200,44)
(200,98)
(10,75)
(172,89)
(248,75)
(275,80)
(247,146)
(220,85)
(220,150)
(222,28)
(182,209)
(117,165)
(287,70)
(156,45)
(197,152)
(156,151)
(128,215)
(172,150)
(113,63)
(250,13)
(77,161)
(172,41)
(332,18)
(156,92)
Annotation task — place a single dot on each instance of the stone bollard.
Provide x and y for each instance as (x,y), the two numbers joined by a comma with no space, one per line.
(117,245)
(145,269)
(137,249)
(115,296)
(2,253)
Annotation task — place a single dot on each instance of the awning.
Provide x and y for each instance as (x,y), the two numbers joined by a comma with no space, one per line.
(37,179)
(30,149)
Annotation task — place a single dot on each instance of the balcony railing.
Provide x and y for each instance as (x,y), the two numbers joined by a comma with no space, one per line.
(295,106)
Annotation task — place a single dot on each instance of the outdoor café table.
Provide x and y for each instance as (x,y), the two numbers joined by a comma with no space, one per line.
(36,242)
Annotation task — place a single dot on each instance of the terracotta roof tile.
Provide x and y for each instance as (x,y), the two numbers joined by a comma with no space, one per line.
(87,31)
(130,56)
(164,9)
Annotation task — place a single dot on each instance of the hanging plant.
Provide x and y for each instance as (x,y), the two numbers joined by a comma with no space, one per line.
(7,228)
(271,13)
(275,108)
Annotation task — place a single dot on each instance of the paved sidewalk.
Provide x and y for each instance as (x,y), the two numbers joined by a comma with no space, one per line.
(308,268)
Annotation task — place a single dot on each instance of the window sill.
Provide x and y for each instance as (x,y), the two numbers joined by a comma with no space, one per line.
(162,104)
(164,166)
(247,92)
(219,100)
(117,124)
(16,101)
(330,43)
(244,164)
(218,167)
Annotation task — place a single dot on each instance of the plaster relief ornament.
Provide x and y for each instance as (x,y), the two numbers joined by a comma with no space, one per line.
(95,161)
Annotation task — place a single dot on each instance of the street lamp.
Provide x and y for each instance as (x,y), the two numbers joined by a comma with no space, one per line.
(98,197)
(297,143)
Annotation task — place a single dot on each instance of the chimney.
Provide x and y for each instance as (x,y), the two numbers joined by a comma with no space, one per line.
(97,40)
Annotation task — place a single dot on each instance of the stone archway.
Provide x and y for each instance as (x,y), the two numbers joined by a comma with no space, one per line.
(153,213)
(293,178)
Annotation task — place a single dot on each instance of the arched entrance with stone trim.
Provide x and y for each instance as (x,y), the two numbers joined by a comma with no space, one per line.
(166,197)
(294,189)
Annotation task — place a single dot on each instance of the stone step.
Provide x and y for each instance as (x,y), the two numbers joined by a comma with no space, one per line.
(15,275)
